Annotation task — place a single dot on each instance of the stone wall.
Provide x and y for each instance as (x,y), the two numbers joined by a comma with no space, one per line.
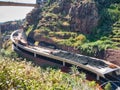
(113,56)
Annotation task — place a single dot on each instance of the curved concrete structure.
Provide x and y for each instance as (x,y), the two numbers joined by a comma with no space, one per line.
(2,3)
(50,53)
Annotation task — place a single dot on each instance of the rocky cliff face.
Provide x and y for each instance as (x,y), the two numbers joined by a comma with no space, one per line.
(10,26)
(33,16)
(80,16)
(65,20)
(84,17)
(113,56)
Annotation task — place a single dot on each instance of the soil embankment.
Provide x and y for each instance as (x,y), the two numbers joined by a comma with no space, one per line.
(113,56)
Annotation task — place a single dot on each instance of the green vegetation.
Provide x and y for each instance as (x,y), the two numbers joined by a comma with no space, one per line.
(109,15)
(30,28)
(75,40)
(55,24)
(22,75)
(7,49)
(108,87)
(107,34)
(96,48)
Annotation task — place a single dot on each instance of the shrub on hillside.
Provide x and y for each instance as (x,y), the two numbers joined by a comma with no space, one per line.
(96,48)
(21,75)
(81,38)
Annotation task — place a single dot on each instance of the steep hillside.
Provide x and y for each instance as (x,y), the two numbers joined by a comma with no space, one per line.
(11,25)
(85,26)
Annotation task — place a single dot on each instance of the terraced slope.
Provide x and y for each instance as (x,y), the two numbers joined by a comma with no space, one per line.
(116,33)
(89,26)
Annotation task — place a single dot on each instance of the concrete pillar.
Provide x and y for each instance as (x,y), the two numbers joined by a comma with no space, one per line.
(0,40)
(98,77)
(34,54)
(13,47)
(63,63)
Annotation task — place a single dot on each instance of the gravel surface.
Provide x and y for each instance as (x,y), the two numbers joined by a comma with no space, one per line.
(81,59)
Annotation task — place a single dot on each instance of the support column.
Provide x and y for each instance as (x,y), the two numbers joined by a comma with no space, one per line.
(98,77)
(63,63)
(0,40)
(34,54)
(13,47)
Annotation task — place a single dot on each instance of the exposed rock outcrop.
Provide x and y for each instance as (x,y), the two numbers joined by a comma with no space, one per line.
(10,26)
(113,56)
(84,17)
(81,16)
(33,16)
(78,16)
(71,16)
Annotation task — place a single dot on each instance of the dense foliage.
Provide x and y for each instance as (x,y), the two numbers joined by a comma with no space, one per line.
(55,25)
(22,75)
(109,12)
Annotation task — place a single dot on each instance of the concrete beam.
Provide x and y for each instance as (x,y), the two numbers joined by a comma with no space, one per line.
(63,63)
(35,55)
(0,40)
(2,3)
(98,77)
